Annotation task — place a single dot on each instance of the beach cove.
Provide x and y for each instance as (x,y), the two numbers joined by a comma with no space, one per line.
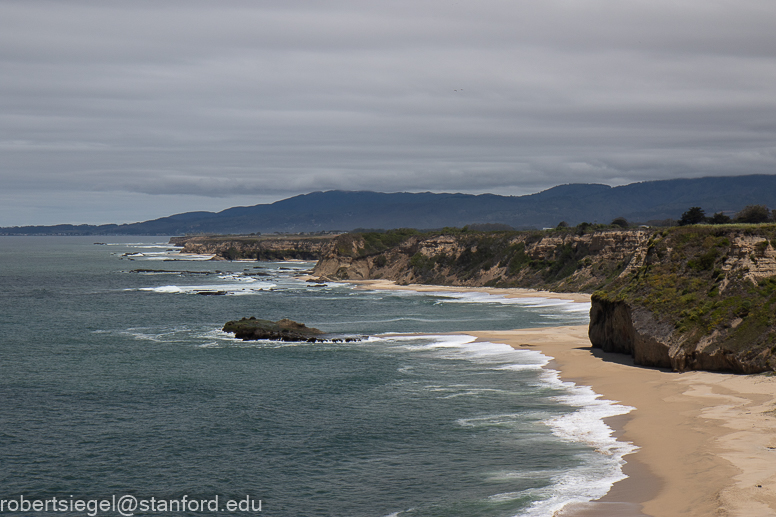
(137,390)
(444,410)
(706,441)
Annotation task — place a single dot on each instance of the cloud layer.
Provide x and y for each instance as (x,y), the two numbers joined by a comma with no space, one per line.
(122,111)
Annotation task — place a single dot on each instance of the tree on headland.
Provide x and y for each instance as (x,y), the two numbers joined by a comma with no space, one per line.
(583,228)
(621,222)
(719,218)
(753,214)
(562,224)
(695,215)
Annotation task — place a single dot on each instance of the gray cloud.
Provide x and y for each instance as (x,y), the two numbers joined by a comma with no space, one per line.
(190,105)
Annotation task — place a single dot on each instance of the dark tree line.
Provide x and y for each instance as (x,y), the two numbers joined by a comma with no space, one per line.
(750,214)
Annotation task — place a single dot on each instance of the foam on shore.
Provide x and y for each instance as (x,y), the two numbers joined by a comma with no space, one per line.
(585,425)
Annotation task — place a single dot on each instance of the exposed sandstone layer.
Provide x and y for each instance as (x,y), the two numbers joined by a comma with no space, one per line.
(704,299)
(558,261)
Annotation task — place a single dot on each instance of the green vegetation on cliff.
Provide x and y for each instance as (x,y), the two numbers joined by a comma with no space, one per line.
(359,244)
(710,283)
(549,259)
(695,296)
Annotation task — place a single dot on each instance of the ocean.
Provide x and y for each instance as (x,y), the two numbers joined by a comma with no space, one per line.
(118,385)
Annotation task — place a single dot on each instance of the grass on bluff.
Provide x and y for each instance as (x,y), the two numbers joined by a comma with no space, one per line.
(686,288)
(482,250)
(371,243)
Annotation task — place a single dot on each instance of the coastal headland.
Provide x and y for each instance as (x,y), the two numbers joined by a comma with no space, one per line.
(256,247)
(699,297)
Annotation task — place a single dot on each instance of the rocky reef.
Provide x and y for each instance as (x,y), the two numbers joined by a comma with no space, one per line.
(253,329)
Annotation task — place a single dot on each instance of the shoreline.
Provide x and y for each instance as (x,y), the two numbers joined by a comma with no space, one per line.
(707,440)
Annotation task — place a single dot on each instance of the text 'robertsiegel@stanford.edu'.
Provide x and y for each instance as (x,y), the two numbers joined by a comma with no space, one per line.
(127,505)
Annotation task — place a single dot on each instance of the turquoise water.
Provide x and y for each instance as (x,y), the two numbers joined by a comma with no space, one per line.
(115,379)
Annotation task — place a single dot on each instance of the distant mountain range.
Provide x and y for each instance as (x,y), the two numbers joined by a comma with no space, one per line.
(344,210)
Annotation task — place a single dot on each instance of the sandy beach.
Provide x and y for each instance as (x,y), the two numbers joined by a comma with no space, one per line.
(707,441)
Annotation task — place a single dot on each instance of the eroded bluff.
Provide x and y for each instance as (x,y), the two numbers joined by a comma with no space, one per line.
(558,260)
(699,297)
(704,299)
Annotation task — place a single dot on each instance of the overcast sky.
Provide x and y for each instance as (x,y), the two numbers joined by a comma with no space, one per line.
(121,111)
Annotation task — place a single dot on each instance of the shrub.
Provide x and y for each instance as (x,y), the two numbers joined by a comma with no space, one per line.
(753,214)
(583,228)
(621,222)
(231,254)
(719,218)
(519,258)
(422,263)
(705,261)
(375,242)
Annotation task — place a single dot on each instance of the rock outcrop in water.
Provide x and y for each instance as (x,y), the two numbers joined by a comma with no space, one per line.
(694,297)
(253,329)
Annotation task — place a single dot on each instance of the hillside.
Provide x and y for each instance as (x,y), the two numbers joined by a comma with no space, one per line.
(697,297)
(346,211)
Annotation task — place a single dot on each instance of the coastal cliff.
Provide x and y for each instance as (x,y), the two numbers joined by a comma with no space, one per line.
(562,261)
(696,297)
(258,247)
(704,299)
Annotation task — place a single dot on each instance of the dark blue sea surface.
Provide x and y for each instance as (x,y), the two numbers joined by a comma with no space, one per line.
(115,379)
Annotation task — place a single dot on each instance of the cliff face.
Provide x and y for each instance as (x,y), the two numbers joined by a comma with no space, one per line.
(234,247)
(560,261)
(618,327)
(704,299)
(699,297)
